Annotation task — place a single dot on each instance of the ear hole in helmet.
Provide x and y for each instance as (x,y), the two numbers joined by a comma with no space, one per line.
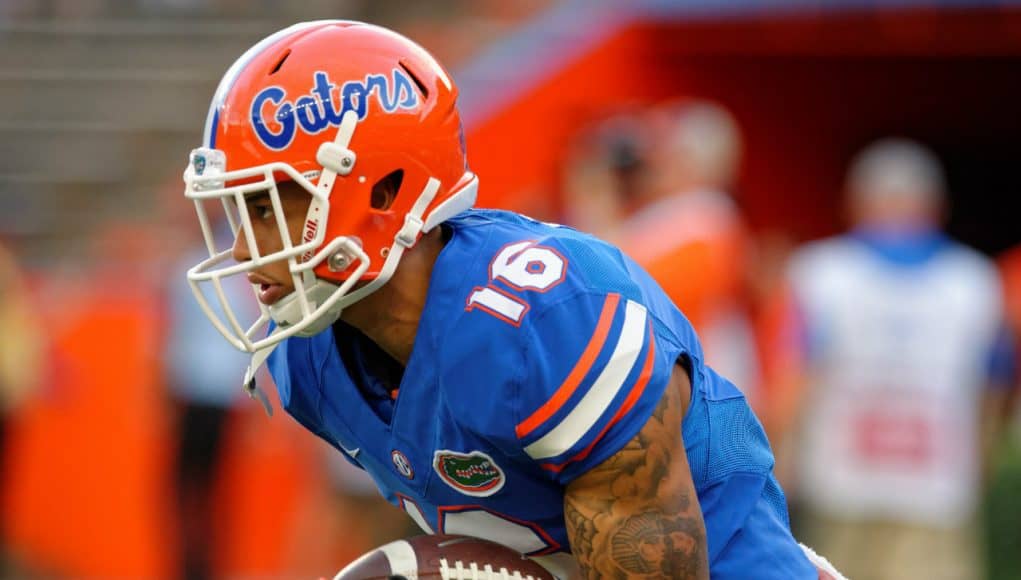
(414,77)
(280,62)
(384,192)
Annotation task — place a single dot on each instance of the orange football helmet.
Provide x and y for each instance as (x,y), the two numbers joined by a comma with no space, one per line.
(336,107)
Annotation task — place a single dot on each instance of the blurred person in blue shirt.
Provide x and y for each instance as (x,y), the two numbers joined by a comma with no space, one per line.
(202,373)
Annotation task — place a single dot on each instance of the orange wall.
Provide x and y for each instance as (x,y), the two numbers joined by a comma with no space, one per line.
(518,152)
(86,484)
(808,90)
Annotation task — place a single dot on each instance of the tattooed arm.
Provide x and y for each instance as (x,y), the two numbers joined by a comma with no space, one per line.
(636,514)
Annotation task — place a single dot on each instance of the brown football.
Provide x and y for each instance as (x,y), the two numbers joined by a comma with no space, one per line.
(443,557)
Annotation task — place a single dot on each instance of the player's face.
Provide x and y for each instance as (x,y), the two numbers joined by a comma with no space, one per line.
(274,279)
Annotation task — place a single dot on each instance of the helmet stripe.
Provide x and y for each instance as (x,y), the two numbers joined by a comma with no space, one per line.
(213,117)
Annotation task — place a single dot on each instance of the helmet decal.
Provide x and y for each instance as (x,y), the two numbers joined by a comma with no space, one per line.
(276,119)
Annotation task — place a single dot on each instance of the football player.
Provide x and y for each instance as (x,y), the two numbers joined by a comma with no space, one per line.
(496,376)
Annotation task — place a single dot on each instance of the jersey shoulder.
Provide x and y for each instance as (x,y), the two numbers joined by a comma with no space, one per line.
(523,280)
(562,348)
(543,262)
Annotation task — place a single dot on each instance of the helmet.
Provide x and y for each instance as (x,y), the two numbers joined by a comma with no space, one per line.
(335,107)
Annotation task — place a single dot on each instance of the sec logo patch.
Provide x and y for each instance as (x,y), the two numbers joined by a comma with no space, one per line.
(402,464)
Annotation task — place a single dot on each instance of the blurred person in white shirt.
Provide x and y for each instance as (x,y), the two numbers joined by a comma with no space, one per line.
(900,341)
(21,350)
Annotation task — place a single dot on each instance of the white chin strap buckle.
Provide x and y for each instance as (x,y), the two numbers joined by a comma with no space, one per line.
(409,231)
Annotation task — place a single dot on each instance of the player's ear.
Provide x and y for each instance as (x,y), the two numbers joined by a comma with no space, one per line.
(384,191)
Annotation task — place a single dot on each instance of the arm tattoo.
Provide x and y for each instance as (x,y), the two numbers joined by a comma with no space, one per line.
(635,515)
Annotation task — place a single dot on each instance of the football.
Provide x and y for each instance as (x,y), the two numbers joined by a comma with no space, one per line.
(443,557)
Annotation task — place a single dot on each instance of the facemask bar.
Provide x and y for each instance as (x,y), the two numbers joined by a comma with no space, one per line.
(212,270)
(205,179)
(240,339)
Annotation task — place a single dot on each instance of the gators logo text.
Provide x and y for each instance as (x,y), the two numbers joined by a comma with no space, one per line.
(276,118)
(472,473)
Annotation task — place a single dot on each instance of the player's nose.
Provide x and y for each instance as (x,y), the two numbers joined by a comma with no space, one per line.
(239,251)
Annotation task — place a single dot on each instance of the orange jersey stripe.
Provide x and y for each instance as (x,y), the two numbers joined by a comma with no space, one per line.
(632,398)
(577,373)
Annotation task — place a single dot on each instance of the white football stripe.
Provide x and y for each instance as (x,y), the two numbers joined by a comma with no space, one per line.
(401,557)
(578,422)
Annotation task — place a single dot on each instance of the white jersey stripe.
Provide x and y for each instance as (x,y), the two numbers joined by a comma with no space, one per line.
(402,559)
(611,380)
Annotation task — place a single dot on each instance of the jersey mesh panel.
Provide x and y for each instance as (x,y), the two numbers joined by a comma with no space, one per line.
(739,440)
(776,499)
(740,445)
(587,260)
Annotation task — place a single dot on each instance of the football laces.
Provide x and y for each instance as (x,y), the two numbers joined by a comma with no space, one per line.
(471,571)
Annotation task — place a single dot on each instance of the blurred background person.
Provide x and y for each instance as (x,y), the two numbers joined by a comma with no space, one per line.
(203,374)
(1003,503)
(20,341)
(20,357)
(1010,268)
(903,363)
(687,231)
(85,487)
(605,172)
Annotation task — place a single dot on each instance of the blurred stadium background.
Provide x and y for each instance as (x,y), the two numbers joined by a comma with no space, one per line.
(101,101)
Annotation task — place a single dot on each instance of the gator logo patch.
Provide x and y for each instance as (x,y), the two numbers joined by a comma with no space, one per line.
(474,473)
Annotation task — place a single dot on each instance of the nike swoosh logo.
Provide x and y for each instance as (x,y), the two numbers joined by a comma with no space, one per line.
(352,452)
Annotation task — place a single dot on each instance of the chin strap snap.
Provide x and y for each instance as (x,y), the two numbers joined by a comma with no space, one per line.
(258,358)
(408,233)
(413,224)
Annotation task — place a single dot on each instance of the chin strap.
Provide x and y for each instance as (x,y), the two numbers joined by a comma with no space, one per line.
(320,290)
(258,358)
(336,159)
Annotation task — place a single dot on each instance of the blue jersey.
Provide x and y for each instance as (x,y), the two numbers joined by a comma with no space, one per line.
(540,353)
